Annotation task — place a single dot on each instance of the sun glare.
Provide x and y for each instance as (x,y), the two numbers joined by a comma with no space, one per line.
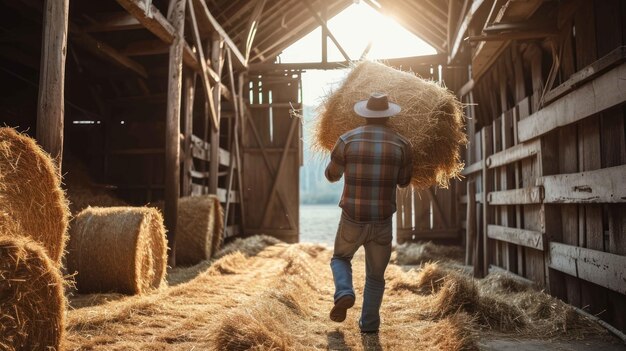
(354,28)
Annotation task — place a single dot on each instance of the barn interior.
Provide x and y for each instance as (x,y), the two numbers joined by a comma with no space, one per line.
(145,102)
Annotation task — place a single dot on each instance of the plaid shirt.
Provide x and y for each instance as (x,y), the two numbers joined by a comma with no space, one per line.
(375,160)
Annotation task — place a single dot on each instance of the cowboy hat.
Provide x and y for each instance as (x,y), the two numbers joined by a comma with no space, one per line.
(377,106)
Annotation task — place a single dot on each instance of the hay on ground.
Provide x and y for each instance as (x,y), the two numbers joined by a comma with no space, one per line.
(32,304)
(422,252)
(32,202)
(118,249)
(199,229)
(431,119)
(248,246)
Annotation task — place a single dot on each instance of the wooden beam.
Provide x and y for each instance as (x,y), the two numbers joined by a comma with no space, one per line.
(172,128)
(597,95)
(606,185)
(110,22)
(514,154)
(467,20)
(50,103)
(217,61)
(404,63)
(203,66)
(322,22)
(105,51)
(473,168)
(253,24)
(189,88)
(602,268)
(203,10)
(527,238)
(150,17)
(523,196)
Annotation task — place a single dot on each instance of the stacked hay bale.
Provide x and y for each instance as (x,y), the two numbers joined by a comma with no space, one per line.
(431,119)
(33,223)
(118,249)
(32,304)
(199,229)
(32,202)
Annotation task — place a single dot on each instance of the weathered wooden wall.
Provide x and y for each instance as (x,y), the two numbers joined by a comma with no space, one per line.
(547,162)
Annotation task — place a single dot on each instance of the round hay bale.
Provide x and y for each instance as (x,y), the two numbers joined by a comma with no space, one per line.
(431,119)
(32,304)
(199,229)
(117,249)
(32,202)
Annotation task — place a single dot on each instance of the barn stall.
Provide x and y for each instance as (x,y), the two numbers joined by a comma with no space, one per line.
(145,102)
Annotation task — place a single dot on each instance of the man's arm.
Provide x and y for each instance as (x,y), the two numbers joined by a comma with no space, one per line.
(335,167)
(406,171)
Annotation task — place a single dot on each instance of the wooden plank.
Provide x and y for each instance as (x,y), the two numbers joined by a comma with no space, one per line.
(172,127)
(487,186)
(514,154)
(467,20)
(105,51)
(612,59)
(597,95)
(151,18)
(217,62)
(601,186)
(601,268)
(253,24)
(528,238)
(204,69)
(189,93)
(222,194)
(51,98)
(473,168)
(203,10)
(115,21)
(470,236)
(201,149)
(523,196)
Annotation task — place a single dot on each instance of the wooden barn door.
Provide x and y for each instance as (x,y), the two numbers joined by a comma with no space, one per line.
(272,157)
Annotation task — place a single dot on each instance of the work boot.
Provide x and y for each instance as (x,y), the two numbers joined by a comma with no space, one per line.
(338,312)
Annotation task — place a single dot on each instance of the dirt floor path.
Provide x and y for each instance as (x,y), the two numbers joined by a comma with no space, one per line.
(279,299)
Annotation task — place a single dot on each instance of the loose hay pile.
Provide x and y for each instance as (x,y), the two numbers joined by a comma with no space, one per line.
(418,253)
(279,298)
(248,246)
(118,249)
(32,202)
(32,304)
(431,119)
(199,229)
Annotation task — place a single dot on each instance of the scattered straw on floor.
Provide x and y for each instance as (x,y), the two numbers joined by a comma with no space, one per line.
(32,304)
(32,202)
(279,299)
(418,253)
(431,118)
(117,249)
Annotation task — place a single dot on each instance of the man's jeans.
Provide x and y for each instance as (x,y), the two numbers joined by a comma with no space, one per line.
(376,237)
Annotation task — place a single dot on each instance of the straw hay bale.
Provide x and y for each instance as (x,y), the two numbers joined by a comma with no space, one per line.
(118,249)
(431,119)
(32,304)
(249,246)
(32,202)
(199,230)
(82,191)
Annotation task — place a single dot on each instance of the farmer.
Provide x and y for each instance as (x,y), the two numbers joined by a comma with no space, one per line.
(375,160)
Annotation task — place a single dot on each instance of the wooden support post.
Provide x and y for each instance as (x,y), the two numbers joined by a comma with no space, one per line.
(50,107)
(471,223)
(189,90)
(487,186)
(172,129)
(217,63)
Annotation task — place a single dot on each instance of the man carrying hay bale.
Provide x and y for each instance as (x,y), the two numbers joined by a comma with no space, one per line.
(375,160)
